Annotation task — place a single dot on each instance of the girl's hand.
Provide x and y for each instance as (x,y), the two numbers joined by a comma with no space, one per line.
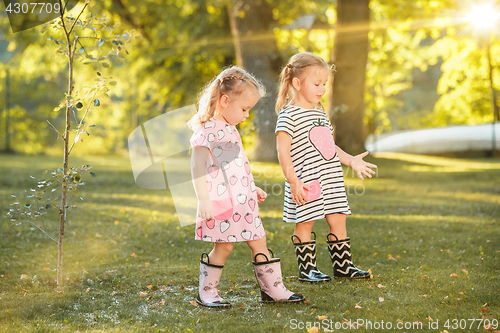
(261,195)
(298,194)
(205,209)
(361,167)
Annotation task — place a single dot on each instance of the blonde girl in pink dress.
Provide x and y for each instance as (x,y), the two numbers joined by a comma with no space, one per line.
(228,199)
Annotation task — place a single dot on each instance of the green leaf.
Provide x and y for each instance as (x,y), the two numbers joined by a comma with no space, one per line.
(82,49)
(92,125)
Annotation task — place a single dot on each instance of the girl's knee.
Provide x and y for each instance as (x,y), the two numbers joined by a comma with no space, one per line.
(224,248)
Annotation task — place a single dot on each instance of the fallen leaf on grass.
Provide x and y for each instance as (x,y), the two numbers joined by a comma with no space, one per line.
(424,277)
(60,292)
(25,290)
(24,277)
(465,271)
(150,286)
(313,330)
(429,318)
(347,311)
(357,307)
(307,302)
(162,302)
(133,255)
(380,299)
(488,327)
(375,254)
(454,275)
(163,288)
(142,294)
(46,269)
(484,310)
(371,275)
(147,264)
(445,331)
(457,299)
(380,286)
(88,289)
(193,303)
(322,317)
(425,296)
(398,256)
(390,257)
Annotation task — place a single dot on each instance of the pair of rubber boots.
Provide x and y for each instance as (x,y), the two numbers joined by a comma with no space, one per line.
(267,273)
(340,254)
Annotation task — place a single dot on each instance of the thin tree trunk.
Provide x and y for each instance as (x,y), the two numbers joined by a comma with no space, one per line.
(256,50)
(350,55)
(64,197)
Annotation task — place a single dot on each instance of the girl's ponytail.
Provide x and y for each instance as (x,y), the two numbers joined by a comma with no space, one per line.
(206,104)
(284,92)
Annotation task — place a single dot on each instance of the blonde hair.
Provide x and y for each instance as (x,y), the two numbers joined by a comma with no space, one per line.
(232,80)
(298,66)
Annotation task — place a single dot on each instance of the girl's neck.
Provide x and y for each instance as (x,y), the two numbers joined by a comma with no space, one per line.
(218,116)
(302,104)
(297,100)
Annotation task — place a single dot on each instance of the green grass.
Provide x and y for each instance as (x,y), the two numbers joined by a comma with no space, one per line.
(418,222)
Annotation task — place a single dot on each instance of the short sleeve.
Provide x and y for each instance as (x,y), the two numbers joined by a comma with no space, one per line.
(200,137)
(329,124)
(285,124)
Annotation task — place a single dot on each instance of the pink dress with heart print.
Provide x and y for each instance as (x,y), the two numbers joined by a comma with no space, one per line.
(229,182)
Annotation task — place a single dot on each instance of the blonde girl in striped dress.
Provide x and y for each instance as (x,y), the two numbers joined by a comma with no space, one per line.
(311,162)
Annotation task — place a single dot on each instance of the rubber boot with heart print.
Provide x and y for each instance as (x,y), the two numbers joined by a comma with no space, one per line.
(209,281)
(272,289)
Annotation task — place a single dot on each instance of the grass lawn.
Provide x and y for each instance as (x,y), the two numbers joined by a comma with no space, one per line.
(427,227)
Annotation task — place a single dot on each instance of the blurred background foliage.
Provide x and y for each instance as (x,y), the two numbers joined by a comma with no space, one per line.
(426,67)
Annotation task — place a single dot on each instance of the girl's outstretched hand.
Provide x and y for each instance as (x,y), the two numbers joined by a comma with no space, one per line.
(298,194)
(261,195)
(361,167)
(205,209)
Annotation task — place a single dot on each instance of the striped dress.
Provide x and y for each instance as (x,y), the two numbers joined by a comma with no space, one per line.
(314,157)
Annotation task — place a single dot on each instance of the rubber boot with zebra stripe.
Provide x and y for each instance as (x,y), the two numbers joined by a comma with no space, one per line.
(340,254)
(306,258)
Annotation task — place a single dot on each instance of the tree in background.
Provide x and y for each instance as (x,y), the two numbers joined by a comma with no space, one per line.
(256,50)
(350,54)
